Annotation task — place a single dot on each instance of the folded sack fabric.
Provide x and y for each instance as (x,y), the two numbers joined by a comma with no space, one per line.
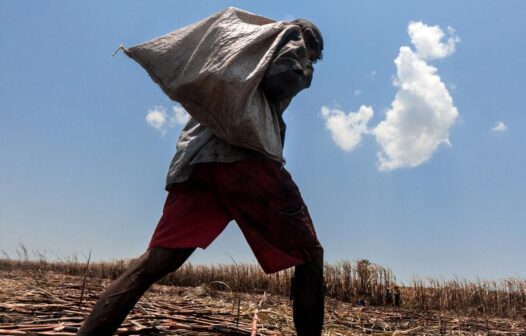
(214,69)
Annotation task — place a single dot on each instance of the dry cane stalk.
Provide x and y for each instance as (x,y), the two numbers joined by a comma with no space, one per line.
(84,281)
(255,319)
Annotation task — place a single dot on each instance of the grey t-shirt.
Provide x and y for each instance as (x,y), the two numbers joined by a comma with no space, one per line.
(197,144)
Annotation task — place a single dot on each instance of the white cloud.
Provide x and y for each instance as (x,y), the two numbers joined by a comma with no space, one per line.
(419,117)
(421,114)
(180,116)
(500,127)
(347,129)
(428,40)
(289,17)
(158,117)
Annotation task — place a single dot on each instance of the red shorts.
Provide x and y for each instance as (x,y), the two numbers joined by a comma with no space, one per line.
(259,195)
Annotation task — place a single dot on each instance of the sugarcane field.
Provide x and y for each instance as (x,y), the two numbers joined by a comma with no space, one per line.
(46,298)
(264,167)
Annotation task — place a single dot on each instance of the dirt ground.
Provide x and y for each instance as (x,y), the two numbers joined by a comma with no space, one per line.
(32,303)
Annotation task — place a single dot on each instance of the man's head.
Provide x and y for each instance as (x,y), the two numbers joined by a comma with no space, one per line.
(312,37)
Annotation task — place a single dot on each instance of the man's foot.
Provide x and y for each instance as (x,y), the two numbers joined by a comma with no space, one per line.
(120,297)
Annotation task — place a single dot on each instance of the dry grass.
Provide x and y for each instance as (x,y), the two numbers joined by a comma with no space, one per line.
(48,303)
(360,283)
(505,297)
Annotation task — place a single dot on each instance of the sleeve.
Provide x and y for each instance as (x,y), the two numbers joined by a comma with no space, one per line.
(289,72)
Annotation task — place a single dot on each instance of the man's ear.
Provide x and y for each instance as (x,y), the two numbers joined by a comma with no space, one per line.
(308,33)
(310,42)
(310,39)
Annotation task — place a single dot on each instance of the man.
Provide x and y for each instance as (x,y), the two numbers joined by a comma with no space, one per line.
(211,182)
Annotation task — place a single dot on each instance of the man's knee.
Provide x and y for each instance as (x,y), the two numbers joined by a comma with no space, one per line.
(307,275)
(311,268)
(157,262)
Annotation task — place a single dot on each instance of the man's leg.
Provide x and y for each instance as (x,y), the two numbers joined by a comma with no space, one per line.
(308,298)
(267,205)
(119,298)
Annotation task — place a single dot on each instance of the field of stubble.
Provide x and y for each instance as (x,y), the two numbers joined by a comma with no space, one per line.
(52,303)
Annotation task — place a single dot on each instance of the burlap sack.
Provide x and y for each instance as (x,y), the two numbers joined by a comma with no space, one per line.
(214,68)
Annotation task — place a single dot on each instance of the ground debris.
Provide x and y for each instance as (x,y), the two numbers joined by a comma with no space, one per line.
(50,304)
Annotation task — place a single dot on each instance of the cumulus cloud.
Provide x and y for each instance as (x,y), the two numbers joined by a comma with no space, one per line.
(419,117)
(159,118)
(422,112)
(428,40)
(180,116)
(347,129)
(500,127)
(289,17)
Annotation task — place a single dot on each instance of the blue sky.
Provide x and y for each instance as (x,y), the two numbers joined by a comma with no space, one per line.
(81,168)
